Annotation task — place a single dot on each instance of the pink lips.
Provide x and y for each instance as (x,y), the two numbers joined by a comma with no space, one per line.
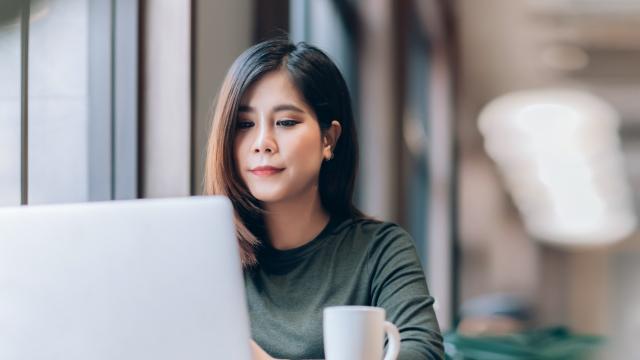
(265,170)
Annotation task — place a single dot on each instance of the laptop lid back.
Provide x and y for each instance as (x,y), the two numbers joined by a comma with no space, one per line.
(142,279)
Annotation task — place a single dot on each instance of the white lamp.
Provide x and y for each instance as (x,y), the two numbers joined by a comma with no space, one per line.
(559,152)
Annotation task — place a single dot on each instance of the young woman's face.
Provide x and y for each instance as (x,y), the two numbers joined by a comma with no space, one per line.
(278,147)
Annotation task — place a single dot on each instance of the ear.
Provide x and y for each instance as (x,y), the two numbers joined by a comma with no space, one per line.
(330,139)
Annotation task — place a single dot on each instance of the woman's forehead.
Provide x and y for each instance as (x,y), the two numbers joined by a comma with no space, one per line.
(273,88)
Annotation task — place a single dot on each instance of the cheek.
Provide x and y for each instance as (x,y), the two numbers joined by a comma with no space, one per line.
(307,153)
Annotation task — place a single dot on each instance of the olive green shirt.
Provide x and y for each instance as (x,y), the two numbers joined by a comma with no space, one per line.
(351,262)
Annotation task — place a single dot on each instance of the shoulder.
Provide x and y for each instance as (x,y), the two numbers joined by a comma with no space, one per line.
(374,235)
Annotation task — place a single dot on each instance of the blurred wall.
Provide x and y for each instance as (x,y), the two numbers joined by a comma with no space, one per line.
(223,29)
(497,254)
(166,98)
(501,42)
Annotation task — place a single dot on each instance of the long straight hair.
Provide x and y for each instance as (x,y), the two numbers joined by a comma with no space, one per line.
(322,86)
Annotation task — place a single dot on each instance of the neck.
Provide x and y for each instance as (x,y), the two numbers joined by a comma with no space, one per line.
(293,223)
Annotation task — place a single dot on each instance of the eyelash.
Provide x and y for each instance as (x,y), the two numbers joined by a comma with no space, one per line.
(289,122)
(244,124)
(284,123)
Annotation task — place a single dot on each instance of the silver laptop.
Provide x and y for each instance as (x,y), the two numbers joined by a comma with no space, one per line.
(140,279)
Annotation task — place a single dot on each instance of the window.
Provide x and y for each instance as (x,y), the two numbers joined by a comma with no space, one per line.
(10,76)
(69,77)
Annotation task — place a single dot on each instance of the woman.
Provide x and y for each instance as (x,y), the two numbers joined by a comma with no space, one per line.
(283,148)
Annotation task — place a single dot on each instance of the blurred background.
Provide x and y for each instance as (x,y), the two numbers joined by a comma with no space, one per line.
(503,134)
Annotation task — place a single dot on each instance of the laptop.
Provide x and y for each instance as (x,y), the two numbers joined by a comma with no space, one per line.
(127,280)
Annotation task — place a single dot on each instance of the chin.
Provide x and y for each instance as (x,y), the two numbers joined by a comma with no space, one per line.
(268,196)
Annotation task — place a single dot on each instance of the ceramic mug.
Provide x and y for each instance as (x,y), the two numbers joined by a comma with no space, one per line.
(357,333)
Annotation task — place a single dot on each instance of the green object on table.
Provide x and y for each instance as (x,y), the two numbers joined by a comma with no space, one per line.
(545,344)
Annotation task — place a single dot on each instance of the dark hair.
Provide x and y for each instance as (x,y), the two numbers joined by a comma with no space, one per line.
(324,89)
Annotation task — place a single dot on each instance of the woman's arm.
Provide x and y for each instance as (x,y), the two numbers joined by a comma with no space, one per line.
(259,353)
(398,285)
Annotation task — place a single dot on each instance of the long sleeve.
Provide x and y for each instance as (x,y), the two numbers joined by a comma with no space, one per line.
(398,285)
(352,262)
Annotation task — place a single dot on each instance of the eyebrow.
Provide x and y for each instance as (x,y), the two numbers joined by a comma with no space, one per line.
(281,107)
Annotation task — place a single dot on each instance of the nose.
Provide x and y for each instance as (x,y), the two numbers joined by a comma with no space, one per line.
(264,141)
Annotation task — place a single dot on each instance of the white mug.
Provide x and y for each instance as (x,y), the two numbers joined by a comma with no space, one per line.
(357,333)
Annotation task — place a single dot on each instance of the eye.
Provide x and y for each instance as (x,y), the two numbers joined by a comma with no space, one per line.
(243,124)
(287,123)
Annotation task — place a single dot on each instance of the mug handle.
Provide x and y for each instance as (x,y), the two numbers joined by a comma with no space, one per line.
(393,335)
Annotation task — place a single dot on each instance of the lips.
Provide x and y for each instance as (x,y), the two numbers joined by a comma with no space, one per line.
(265,170)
